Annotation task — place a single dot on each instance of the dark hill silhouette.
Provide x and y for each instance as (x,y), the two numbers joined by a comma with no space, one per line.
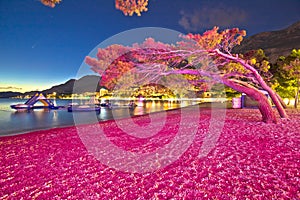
(9,94)
(65,88)
(89,83)
(274,43)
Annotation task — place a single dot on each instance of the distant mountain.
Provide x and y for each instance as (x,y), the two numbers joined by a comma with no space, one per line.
(65,88)
(274,43)
(89,83)
(9,94)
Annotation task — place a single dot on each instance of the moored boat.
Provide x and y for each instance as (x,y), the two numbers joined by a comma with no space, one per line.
(83,108)
(130,105)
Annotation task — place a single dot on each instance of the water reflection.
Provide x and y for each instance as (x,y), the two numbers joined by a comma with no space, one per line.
(142,107)
(35,120)
(147,106)
(12,122)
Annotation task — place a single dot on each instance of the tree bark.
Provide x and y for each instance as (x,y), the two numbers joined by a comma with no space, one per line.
(264,106)
(275,100)
(281,101)
(296,98)
(262,83)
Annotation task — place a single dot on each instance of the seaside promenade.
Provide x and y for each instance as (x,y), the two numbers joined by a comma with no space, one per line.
(250,160)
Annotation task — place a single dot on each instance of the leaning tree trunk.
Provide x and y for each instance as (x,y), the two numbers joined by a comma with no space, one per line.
(264,105)
(281,101)
(260,80)
(296,98)
(274,98)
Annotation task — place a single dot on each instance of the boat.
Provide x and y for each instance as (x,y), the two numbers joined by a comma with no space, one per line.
(130,105)
(106,104)
(84,108)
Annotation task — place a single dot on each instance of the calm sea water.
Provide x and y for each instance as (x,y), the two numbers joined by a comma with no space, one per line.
(15,122)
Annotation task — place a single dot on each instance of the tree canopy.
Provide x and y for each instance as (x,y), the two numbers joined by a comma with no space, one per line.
(50,3)
(286,78)
(200,58)
(128,7)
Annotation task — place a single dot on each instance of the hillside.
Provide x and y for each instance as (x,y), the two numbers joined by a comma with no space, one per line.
(89,83)
(274,43)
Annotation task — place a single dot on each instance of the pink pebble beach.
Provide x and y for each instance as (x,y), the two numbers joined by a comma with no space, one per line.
(251,160)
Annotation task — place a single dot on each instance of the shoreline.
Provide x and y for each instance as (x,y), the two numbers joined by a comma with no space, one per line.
(251,159)
(70,125)
(10,130)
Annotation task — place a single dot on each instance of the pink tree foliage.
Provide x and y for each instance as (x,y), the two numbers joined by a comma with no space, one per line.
(128,7)
(201,58)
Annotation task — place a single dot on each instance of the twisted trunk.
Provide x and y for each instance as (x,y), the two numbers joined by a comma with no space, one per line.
(262,83)
(264,106)
(296,98)
(281,101)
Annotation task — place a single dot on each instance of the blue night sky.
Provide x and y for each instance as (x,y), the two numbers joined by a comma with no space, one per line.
(41,47)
